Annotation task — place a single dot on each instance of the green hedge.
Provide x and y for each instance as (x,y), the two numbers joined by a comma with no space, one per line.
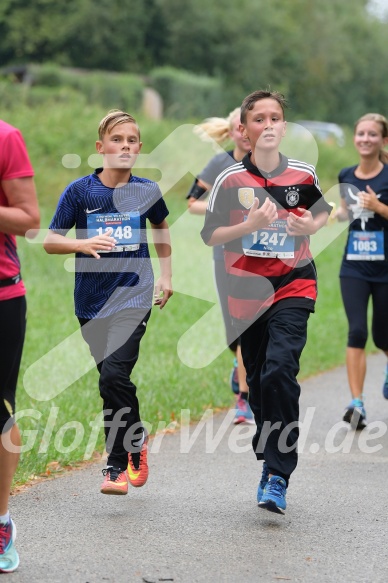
(12,95)
(111,90)
(186,95)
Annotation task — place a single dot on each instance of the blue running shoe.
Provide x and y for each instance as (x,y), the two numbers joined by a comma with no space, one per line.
(243,412)
(355,414)
(263,482)
(9,559)
(385,385)
(234,378)
(274,495)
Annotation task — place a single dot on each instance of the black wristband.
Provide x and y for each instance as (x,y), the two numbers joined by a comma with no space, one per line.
(196,191)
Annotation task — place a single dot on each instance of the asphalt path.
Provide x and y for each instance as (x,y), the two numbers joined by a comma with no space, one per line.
(197,520)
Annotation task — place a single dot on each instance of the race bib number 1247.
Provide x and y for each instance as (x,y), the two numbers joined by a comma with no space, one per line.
(272,241)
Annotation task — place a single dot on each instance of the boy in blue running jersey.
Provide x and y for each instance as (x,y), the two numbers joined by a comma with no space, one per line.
(114,283)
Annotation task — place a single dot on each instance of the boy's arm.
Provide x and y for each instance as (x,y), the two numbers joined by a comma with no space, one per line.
(305,223)
(162,242)
(258,217)
(308,221)
(61,245)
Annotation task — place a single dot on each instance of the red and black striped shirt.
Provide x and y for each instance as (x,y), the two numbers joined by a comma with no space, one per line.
(258,284)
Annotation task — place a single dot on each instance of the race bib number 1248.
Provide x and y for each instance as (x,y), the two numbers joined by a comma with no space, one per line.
(124,227)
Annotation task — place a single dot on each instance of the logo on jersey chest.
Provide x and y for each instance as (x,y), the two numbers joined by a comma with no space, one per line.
(292,195)
(246,196)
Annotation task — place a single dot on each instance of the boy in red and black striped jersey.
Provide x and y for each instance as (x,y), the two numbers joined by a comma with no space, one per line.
(263,210)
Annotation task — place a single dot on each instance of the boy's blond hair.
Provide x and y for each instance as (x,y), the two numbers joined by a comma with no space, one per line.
(112,119)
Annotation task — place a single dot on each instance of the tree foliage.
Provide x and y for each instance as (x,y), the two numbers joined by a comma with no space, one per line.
(329,58)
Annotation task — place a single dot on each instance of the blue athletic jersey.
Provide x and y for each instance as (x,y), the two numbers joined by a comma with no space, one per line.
(117,280)
(364,220)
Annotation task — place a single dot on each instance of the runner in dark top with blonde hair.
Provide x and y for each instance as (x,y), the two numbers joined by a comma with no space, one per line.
(224,130)
(364,268)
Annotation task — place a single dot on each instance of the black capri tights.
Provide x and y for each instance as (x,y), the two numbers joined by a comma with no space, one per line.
(355,296)
(13,327)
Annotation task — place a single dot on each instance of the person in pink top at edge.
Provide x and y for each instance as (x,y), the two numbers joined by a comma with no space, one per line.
(19,212)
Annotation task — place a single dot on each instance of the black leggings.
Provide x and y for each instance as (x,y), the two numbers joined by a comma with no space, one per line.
(13,329)
(355,296)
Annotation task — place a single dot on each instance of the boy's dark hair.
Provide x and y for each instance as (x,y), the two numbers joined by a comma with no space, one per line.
(251,99)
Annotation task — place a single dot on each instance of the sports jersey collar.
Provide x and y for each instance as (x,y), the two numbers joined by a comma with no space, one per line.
(98,171)
(255,170)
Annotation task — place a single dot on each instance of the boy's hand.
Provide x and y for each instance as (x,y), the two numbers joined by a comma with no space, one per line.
(259,217)
(163,291)
(94,244)
(302,224)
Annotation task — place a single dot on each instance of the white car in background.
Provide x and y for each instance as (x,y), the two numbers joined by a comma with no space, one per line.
(324,131)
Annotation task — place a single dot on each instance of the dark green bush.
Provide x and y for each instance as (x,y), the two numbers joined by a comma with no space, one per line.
(11,94)
(48,75)
(186,95)
(110,90)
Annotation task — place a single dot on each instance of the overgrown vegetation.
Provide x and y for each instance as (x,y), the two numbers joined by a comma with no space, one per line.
(328,60)
(167,374)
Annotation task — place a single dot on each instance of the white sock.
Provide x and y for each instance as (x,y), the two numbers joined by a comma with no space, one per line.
(4,518)
(140,442)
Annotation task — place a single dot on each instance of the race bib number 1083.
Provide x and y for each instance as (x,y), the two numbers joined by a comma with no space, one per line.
(365,246)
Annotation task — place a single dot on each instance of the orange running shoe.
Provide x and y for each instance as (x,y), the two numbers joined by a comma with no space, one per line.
(138,472)
(115,482)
